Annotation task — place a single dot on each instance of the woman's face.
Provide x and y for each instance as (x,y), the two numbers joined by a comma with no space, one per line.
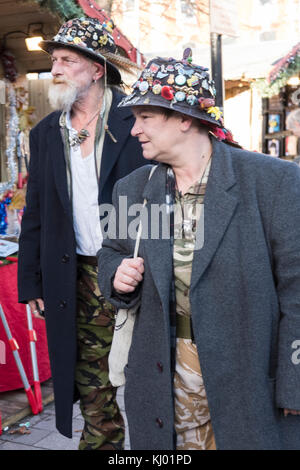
(158,135)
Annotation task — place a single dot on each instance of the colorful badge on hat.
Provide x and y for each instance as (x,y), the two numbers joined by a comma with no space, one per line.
(178,85)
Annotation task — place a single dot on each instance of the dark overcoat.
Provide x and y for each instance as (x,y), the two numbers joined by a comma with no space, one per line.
(245,305)
(47,256)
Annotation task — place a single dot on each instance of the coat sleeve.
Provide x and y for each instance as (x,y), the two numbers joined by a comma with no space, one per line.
(29,270)
(110,256)
(285,242)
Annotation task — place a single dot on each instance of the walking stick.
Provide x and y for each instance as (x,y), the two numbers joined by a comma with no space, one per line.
(32,340)
(14,347)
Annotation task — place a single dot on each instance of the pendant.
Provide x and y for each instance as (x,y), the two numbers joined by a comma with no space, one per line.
(82,135)
(76,140)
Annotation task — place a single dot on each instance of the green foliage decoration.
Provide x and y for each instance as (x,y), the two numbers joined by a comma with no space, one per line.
(65,9)
(269,89)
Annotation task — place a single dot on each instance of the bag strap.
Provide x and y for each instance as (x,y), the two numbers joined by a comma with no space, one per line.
(139,233)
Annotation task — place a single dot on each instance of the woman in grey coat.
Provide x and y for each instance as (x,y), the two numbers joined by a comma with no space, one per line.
(215,355)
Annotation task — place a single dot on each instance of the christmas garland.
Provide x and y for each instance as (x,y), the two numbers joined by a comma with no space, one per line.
(65,9)
(279,76)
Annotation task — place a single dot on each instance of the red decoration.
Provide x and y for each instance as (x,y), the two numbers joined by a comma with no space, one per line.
(92,9)
(206,102)
(9,65)
(167,92)
(219,133)
(16,316)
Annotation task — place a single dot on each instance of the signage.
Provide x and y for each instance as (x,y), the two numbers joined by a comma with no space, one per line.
(224,17)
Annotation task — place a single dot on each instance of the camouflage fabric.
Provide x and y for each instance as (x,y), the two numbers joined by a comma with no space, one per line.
(187,212)
(104,426)
(192,419)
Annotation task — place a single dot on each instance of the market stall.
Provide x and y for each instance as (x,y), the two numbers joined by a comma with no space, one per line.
(281,92)
(22,105)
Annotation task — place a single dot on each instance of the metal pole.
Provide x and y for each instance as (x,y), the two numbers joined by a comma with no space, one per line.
(14,347)
(216,67)
(36,379)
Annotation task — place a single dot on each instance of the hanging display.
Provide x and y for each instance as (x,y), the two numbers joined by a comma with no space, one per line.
(12,133)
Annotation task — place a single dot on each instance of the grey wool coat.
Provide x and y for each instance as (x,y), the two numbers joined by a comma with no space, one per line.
(245,305)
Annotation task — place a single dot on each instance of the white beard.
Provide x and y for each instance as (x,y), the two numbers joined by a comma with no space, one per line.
(62,95)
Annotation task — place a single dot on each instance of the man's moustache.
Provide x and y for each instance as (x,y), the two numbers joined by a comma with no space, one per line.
(57,81)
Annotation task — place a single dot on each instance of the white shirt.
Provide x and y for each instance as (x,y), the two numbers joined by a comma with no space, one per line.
(86,218)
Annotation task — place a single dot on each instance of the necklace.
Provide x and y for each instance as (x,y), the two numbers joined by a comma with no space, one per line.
(83,134)
(189,214)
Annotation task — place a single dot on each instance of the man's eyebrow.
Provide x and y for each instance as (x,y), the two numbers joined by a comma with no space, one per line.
(64,57)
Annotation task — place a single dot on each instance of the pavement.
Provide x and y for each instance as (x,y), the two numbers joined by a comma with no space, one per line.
(43,434)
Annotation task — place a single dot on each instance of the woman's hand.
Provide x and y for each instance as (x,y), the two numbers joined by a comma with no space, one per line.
(128,275)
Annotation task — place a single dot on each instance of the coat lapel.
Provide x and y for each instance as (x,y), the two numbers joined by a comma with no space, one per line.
(219,206)
(57,156)
(111,149)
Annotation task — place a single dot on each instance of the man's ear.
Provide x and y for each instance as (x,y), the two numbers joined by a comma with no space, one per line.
(99,72)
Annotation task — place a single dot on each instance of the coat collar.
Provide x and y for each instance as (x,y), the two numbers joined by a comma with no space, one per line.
(219,206)
(111,149)
(110,153)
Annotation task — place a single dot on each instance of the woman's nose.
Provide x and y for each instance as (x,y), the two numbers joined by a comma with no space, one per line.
(136,130)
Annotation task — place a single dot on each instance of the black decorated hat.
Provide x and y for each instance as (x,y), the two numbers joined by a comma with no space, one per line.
(94,40)
(179,85)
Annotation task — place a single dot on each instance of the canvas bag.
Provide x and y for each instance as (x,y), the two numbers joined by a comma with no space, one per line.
(124,324)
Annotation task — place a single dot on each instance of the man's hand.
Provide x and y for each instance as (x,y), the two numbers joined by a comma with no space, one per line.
(128,275)
(287,411)
(36,305)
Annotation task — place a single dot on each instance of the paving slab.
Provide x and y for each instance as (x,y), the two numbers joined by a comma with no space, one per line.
(12,446)
(34,437)
(44,435)
(55,441)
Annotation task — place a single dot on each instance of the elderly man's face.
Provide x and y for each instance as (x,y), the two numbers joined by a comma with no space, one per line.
(73,75)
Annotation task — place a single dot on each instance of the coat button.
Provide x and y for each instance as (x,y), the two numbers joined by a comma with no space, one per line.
(65,258)
(159,422)
(160,366)
(62,304)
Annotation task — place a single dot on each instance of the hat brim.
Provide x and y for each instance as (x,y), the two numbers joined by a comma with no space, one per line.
(113,74)
(150,99)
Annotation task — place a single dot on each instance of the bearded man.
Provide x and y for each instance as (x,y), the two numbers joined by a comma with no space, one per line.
(77,154)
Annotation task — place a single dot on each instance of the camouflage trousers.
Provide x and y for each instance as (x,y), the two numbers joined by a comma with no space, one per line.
(104,426)
(192,418)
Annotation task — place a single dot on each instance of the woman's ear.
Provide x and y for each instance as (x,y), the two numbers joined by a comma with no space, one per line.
(186,122)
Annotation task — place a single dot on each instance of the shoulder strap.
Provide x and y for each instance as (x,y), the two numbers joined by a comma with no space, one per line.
(139,233)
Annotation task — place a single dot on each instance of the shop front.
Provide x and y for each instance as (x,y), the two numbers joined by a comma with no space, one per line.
(281,98)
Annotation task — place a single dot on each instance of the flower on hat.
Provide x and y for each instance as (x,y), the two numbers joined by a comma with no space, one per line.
(219,133)
(167,92)
(77,40)
(216,111)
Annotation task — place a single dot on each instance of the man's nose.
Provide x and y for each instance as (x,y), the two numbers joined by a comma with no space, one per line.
(56,69)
